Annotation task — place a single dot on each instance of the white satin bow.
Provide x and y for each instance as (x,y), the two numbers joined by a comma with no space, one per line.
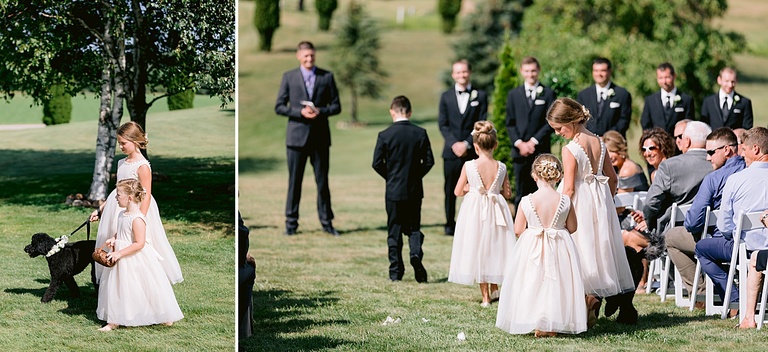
(548,237)
(493,200)
(589,178)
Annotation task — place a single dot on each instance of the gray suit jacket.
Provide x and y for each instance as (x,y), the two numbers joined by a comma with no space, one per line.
(677,180)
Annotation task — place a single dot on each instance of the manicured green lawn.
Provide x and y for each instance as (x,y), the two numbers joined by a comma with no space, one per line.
(315,292)
(193,152)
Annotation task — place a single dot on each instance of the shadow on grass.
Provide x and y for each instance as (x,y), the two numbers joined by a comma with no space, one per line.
(258,165)
(85,305)
(754,79)
(652,321)
(199,190)
(279,313)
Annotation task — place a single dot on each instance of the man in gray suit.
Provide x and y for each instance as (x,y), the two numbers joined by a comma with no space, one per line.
(678,178)
(308,96)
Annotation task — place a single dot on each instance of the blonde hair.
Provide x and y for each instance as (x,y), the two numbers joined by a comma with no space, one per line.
(566,110)
(133,188)
(133,132)
(484,134)
(547,167)
(615,142)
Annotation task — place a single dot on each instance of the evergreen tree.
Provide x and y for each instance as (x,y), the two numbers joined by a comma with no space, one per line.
(325,9)
(506,79)
(482,35)
(449,10)
(356,62)
(267,20)
(58,108)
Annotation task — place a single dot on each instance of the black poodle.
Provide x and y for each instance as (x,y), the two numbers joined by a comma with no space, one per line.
(69,261)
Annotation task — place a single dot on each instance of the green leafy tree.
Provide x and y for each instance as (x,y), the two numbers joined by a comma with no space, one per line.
(181,101)
(449,10)
(565,36)
(356,59)
(325,9)
(266,17)
(482,35)
(58,108)
(109,46)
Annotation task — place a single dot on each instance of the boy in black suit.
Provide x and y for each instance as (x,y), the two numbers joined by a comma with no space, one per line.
(403,156)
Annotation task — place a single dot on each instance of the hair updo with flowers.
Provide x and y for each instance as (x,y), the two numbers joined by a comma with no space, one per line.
(566,110)
(484,135)
(133,188)
(548,168)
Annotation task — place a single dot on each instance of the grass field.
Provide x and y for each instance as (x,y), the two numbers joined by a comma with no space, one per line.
(314,292)
(193,151)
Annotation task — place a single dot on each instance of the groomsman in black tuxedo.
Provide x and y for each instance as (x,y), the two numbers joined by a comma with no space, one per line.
(727,108)
(609,104)
(667,106)
(460,107)
(527,125)
(308,96)
(403,156)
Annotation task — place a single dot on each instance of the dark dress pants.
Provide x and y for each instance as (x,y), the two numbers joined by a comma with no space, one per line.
(452,172)
(403,217)
(297,161)
(524,183)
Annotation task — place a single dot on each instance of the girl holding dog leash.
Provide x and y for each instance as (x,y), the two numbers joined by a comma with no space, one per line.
(135,291)
(131,139)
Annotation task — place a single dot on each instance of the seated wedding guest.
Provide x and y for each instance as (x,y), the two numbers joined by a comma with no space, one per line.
(757,264)
(743,191)
(656,145)
(676,181)
(681,240)
(246,276)
(631,175)
(739,132)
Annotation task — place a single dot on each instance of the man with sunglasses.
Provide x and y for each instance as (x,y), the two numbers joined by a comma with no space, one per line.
(744,191)
(681,240)
(678,178)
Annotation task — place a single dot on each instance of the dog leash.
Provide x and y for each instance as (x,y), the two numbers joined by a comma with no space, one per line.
(87,225)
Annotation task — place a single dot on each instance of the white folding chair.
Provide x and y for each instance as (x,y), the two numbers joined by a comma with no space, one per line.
(680,290)
(709,297)
(764,294)
(632,200)
(676,219)
(744,222)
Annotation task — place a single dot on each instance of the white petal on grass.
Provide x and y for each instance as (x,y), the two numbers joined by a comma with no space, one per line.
(461,336)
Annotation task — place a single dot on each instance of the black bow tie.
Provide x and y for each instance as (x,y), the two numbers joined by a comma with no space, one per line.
(462,91)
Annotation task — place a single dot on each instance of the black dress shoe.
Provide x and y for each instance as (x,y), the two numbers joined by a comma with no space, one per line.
(419,272)
(331,231)
(449,230)
(289,232)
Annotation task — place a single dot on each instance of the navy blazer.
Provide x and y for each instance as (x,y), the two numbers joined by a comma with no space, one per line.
(300,131)
(525,122)
(655,116)
(617,111)
(455,126)
(740,113)
(403,156)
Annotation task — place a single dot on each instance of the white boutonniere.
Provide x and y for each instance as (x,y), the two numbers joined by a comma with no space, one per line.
(60,242)
(539,90)
(736,98)
(473,95)
(677,98)
(611,92)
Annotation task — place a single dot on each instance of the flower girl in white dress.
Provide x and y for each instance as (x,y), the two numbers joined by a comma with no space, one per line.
(136,291)
(543,291)
(483,237)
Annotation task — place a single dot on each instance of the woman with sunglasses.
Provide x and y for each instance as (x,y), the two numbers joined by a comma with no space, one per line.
(656,145)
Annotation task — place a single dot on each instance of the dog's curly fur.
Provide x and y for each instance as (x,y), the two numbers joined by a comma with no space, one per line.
(65,264)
